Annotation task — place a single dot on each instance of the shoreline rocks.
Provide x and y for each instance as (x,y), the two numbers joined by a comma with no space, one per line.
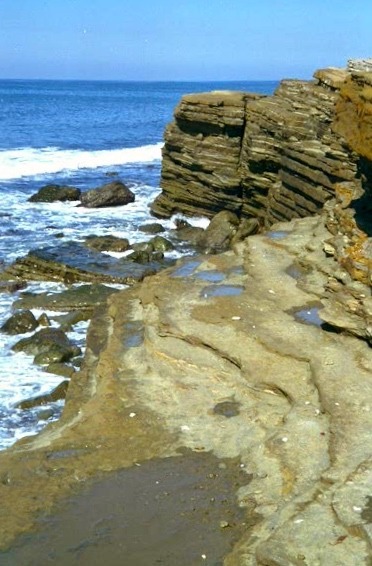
(216,355)
(261,354)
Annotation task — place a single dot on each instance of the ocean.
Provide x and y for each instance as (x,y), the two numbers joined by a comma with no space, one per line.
(77,133)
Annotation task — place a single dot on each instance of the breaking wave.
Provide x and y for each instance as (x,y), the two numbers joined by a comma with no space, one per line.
(28,161)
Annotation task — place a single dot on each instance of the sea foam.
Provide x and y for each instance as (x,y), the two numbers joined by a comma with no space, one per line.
(28,161)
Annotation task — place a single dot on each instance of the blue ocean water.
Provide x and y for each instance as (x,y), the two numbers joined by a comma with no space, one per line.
(76,133)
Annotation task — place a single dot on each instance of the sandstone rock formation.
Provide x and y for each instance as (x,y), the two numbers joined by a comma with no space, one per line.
(222,354)
(260,356)
(273,158)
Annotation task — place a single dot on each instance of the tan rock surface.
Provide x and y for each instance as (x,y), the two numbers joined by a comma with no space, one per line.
(167,361)
(270,157)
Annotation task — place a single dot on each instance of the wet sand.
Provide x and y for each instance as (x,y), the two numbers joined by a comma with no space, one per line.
(178,511)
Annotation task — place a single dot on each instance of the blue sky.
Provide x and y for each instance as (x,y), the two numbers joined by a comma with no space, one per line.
(180,39)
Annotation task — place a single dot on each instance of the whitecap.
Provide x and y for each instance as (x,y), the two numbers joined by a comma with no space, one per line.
(29,161)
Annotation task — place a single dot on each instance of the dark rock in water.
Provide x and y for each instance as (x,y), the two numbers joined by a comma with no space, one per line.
(140,256)
(107,243)
(43,320)
(143,247)
(153,228)
(80,300)
(61,369)
(161,244)
(111,194)
(72,262)
(52,193)
(185,231)
(56,355)
(12,286)
(221,230)
(56,394)
(68,320)
(157,256)
(48,345)
(45,414)
(20,323)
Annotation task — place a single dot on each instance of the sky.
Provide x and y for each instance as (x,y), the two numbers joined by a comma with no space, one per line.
(180,39)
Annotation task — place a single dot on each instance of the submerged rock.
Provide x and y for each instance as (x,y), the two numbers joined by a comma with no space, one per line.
(111,194)
(52,193)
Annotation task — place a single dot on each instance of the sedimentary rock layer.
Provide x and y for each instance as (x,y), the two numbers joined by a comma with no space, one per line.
(225,355)
(274,158)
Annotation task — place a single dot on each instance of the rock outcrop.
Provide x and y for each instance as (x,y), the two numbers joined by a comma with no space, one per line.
(111,194)
(259,357)
(273,158)
(222,354)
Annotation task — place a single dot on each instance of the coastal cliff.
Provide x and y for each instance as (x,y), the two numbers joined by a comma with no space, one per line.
(258,359)
(270,157)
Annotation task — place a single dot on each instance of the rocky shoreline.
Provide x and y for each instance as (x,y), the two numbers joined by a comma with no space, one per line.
(258,354)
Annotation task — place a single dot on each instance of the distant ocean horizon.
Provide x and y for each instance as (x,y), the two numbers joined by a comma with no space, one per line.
(79,133)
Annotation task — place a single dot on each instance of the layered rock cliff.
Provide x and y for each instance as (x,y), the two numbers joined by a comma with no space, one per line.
(271,157)
(260,357)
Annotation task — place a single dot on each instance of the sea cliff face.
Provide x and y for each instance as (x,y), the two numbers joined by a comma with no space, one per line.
(271,157)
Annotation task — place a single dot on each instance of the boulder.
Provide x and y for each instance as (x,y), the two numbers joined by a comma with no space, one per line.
(107,243)
(48,345)
(52,193)
(218,235)
(56,394)
(111,194)
(20,323)
(152,228)
(161,244)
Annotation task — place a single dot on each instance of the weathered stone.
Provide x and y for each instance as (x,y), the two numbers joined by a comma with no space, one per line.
(152,228)
(20,323)
(107,243)
(272,158)
(49,341)
(111,194)
(72,263)
(58,393)
(61,369)
(218,235)
(161,244)
(233,372)
(81,300)
(52,193)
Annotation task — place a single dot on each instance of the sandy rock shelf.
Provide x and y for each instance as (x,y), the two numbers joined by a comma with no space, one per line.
(218,355)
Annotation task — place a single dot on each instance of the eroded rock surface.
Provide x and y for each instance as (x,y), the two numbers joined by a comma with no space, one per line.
(272,158)
(219,355)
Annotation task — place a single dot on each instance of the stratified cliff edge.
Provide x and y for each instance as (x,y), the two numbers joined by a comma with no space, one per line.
(274,157)
(259,357)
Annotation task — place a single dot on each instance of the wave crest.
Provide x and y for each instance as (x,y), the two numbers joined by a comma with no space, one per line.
(28,161)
